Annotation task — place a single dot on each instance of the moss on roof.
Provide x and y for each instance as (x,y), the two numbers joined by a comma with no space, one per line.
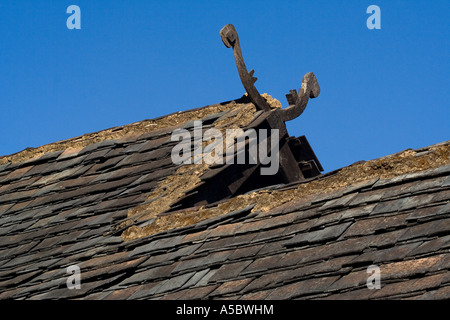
(141,127)
(405,162)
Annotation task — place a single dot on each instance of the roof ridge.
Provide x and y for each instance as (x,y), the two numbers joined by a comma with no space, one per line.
(117,132)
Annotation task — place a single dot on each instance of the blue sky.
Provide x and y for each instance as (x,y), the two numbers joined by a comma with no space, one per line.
(382,91)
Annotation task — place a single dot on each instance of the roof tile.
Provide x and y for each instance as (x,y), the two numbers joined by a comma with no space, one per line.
(322,235)
(216,258)
(146,290)
(150,274)
(389,206)
(301,288)
(263,264)
(69,153)
(339,202)
(260,295)
(425,213)
(395,253)
(272,248)
(193,293)
(327,196)
(174,282)
(169,257)
(121,294)
(433,245)
(427,186)
(426,229)
(367,197)
(407,287)
(416,201)
(196,278)
(230,271)
(205,279)
(353,280)
(14,175)
(269,235)
(444,209)
(439,294)
(409,268)
(360,186)
(358,294)
(376,224)
(245,252)
(446,183)
(230,287)
(441,196)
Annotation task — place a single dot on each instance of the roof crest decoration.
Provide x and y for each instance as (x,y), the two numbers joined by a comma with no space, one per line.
(297,101)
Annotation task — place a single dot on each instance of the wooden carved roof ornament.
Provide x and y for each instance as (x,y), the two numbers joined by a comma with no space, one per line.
(297,159)
(297,101)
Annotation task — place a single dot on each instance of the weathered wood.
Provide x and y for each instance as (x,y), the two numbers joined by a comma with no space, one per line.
(230,39)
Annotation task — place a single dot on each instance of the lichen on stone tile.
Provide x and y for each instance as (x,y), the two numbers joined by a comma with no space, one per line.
(385,168)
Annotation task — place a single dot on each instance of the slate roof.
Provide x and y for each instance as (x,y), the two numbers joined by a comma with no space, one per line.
(112,204)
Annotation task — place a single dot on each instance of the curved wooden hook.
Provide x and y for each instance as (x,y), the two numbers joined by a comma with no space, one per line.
(230,39)
(297,102)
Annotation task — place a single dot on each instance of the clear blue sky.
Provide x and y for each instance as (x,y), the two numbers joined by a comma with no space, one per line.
(382,91)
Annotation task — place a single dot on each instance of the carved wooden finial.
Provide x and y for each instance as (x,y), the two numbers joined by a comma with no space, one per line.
(297,101)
